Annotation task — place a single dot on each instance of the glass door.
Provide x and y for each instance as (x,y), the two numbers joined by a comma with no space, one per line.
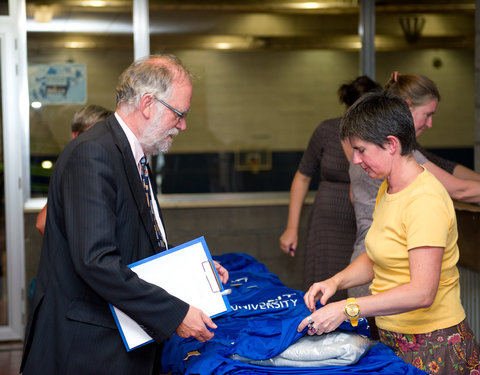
(13,122)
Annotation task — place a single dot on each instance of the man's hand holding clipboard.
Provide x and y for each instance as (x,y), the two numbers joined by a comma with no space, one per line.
(196,321)
(189,273)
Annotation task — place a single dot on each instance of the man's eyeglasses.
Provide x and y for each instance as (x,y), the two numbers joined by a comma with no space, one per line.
(180,115)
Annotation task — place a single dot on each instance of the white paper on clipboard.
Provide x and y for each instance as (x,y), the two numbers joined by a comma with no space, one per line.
(185,271)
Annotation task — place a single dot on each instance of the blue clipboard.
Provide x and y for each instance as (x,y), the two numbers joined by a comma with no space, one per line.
(187,272)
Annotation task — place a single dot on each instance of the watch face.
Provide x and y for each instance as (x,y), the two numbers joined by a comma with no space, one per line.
(351,310)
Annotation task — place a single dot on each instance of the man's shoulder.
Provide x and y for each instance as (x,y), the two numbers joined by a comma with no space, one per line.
(107,132)
(103,137)
(106,126)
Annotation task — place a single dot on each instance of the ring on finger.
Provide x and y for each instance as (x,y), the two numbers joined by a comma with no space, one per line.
(313,329)
(309,320)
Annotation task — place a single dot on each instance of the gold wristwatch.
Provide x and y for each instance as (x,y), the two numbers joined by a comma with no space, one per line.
(352,311)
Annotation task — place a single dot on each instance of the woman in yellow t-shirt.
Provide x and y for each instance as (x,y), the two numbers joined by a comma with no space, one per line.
(411,250)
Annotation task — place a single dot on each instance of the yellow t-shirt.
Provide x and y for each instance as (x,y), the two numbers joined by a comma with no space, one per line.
(422,214)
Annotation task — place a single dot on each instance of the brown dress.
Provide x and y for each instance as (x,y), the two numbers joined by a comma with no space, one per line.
(331,227)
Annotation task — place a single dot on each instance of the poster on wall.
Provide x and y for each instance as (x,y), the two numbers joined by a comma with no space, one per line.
(57,83)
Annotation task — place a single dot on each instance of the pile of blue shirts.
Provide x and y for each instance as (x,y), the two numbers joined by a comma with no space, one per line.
(263,323)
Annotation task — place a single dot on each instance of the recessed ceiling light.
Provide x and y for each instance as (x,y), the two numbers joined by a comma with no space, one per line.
(96,3)
(310,5)
(224,45)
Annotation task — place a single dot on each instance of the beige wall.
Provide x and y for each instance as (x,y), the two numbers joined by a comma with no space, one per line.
(453,124)
(271,99)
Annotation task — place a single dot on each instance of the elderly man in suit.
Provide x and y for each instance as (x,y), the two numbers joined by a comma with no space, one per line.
(99,221)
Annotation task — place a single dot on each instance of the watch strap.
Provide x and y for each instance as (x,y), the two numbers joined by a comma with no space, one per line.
(353,319)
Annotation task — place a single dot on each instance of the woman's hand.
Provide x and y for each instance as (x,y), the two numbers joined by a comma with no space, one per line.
(289,241)
(324,320)
(322,291)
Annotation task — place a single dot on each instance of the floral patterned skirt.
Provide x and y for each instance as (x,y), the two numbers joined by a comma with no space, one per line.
(452,350)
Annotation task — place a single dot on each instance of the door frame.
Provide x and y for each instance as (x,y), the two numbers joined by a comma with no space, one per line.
(13,62)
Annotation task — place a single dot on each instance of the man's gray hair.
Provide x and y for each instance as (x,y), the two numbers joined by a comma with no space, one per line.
(152,74)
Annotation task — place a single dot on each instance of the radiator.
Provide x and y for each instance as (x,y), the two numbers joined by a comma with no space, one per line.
(470,295)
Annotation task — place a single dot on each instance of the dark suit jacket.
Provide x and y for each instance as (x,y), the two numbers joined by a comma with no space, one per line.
(98,222)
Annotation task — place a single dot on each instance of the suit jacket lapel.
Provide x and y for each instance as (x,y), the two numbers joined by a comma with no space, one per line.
(134,180)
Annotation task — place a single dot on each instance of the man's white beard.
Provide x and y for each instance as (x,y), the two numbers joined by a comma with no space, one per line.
(155,141)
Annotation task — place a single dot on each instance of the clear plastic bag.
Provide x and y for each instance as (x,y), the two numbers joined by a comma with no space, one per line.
(336,348)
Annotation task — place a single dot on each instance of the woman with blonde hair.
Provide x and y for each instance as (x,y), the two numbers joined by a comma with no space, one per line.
(422,96)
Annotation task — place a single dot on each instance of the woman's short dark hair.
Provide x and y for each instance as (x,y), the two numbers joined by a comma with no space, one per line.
(375,116)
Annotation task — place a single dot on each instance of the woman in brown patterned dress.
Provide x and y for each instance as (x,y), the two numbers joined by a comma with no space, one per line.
(331,227)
